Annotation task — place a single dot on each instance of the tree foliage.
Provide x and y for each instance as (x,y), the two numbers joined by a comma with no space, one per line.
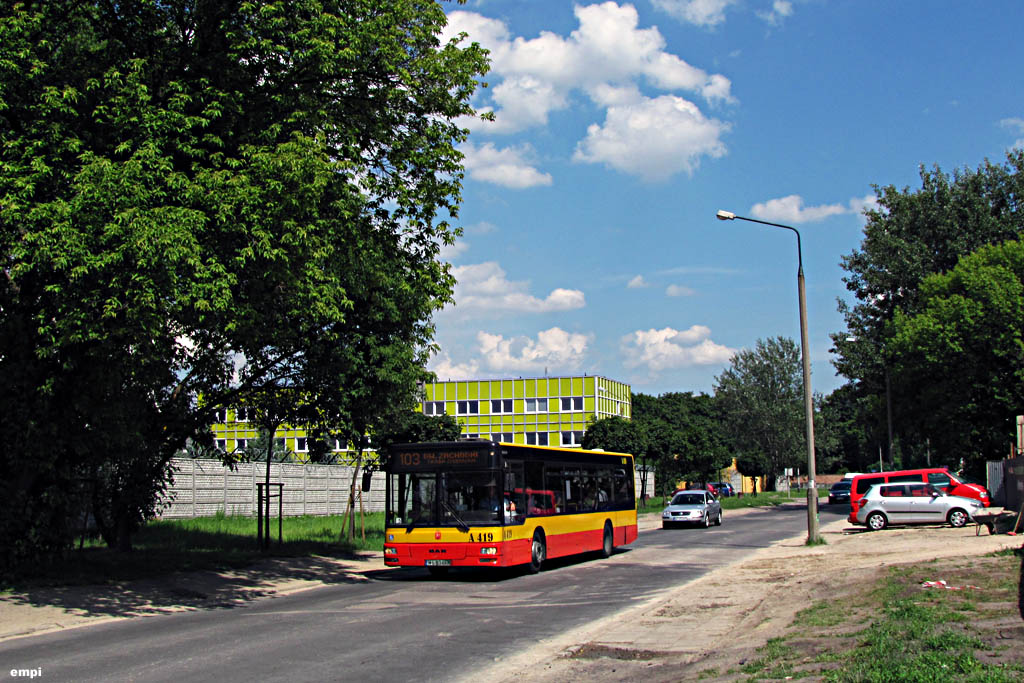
(760,396)
(202,203)
(964,353)
(910,236)
(685,437)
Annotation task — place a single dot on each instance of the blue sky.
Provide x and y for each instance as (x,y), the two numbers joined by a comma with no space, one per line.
(591,243)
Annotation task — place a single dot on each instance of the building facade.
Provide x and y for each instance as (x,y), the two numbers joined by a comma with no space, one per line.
(540,411)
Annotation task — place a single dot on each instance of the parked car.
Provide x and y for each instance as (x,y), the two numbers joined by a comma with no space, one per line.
(694,507)
(940,477)
(724,489)
(839,492)
(913,503)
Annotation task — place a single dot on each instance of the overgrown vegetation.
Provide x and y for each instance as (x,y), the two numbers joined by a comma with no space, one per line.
(900,630)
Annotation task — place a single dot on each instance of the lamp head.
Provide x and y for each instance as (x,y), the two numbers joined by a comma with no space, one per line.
(725,215)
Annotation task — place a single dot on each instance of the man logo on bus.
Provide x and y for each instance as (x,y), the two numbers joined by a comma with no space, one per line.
(437,535)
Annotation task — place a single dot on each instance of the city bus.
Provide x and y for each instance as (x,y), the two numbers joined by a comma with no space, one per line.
(479,503)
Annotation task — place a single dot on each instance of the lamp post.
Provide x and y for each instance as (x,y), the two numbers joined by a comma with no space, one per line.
(812,491)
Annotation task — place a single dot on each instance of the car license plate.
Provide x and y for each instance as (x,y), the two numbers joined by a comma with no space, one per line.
(439,563)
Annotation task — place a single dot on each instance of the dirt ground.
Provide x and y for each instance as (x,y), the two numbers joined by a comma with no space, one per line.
(690,631)
(718,622)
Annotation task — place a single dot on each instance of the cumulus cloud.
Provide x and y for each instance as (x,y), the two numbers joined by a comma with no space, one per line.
(1016,126)
(667,349)
(791,209)
(446,369)
(637,283)
(484,286)
(678,290)
(653,138)
(605,57)
(509,167)
(553,349)
(779,11)
(705,13)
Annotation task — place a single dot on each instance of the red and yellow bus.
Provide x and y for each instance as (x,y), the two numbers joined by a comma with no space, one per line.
(478,503)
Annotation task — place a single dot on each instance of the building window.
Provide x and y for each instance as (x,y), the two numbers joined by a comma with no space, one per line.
(572,438)
(221,415)
(504,437)
(536,405)
(221,444)
(572,404)
(240,444)
(470,436)
(501,405)
(537,438)
(469,407)
(301,445)
(433,408)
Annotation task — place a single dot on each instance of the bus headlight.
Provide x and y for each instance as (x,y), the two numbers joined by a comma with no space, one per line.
(488,551)
(390,551)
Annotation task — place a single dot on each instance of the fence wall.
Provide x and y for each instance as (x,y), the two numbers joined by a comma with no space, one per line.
(205,487)
(1006,483)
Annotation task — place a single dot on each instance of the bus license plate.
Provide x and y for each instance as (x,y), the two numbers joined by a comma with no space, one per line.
(439,563)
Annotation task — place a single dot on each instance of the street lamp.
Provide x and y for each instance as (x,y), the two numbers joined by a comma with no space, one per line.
(812,491)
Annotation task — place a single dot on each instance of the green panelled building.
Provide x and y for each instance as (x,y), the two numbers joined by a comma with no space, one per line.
(541,411)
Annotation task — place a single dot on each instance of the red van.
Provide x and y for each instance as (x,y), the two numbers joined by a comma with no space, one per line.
(940,477)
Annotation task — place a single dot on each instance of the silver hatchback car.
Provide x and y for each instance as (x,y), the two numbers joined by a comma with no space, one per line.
(692,508)
(913,503)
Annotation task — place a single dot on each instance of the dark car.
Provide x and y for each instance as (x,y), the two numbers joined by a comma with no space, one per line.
(725,489)
(839,492)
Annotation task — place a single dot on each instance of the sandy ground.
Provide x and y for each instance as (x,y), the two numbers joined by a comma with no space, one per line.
(723,617)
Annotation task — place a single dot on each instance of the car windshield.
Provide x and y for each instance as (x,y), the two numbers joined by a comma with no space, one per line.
(688,499)
(840,485)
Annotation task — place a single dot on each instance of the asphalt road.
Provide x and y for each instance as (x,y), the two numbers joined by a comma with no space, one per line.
(402,625)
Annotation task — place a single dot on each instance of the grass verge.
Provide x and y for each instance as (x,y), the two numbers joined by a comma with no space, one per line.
(218,542)
(900,630)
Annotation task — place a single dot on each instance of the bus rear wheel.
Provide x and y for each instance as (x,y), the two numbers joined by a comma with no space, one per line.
(609,544)
(538,551)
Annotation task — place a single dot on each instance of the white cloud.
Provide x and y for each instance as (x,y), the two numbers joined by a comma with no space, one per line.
(637,283)
(607,54)
(679,290)
(791,209)
(779,11)
(554,349)
(509,167)
(450,252)
(668,348)
(485,287)
(697,12)
(1016,126)
(445,369)
(653,138)
(859,205)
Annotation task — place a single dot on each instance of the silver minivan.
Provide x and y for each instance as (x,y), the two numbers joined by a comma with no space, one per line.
(913,503)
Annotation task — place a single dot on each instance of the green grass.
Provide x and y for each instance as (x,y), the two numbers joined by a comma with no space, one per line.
(895,630)
(766,499)
(218,542)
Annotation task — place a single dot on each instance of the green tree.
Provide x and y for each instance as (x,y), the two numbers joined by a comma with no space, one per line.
(911,235)
(964,353)
(202,202)
(685,435)
(760,396)
(615,434)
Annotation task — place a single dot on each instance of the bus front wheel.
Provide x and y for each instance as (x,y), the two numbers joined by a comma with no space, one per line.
(538,551)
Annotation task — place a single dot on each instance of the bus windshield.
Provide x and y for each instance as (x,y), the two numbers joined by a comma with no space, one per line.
(448,498)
